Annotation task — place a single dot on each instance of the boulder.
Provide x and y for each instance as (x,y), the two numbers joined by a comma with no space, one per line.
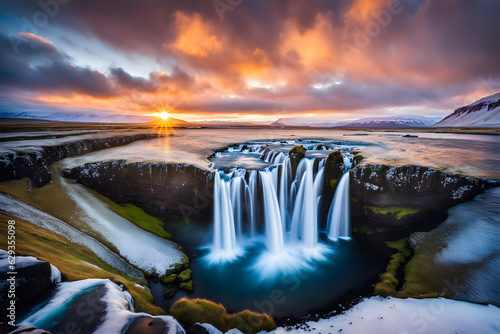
(169,279)
(169,292)
(185,275)
(33,277)
(334,169)
(188,286)
(296,154)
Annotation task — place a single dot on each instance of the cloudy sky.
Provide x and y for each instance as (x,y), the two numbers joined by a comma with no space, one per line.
(248,60)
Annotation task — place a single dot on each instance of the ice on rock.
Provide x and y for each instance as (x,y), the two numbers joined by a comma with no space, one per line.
(39,218)
(141,248)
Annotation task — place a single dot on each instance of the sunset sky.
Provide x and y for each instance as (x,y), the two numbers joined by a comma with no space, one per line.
(248,60)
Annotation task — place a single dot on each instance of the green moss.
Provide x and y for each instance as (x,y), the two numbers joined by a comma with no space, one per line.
(364,229)
(185,275)
(401,246)
(388,283)
(354,199)
(188,286)
(190,311)
(419,275)
(135,215)
(358,158)
(68,258)
(398,212)
(169,279)
(333,183)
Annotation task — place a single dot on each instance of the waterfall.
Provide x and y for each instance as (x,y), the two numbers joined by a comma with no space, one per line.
(224,230)
(272,217)
(339,214)
(305,214)
(282,209)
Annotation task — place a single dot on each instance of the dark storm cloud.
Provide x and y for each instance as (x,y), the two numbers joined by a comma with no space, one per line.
(428,53)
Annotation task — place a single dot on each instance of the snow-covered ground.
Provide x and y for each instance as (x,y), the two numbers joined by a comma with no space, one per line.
(141,248)
(119,308)
(37,217)
(407,316)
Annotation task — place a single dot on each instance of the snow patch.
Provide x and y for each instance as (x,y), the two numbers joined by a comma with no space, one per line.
(37,217)
(398,316)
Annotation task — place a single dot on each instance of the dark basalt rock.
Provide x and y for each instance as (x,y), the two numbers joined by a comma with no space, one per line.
(425,189)
(31,280)
(150,325)
(169,292)
(8,329)
(161,189)
(197,329)
(296,154)
(413,186)
(334,168)
(34,164)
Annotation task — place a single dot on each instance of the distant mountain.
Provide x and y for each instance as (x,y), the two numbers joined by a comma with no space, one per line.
(303,122)
(393,121)
(228,123)
(371,122)
(77,117)
(482,113)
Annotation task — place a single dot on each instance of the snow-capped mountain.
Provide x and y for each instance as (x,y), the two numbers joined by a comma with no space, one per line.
(77,117)
(482,113)
(393,121)
(370,122)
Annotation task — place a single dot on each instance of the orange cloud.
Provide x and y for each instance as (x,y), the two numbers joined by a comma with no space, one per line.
(314,46)
(195,36)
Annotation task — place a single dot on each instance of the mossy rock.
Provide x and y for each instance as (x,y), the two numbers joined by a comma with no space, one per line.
(334,169)
(388,283)
(188,286)
(169,292)
(392,213)
(185,275)
(177,268)
(296,154)
(190,311)
(358,158)
(168,279)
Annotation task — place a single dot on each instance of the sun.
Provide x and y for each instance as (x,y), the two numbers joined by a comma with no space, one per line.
(164,115)
(164,123)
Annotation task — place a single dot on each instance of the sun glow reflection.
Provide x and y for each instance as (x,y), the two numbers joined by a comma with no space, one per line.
(163,122)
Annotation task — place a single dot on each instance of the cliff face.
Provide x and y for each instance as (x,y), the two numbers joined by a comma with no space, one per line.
(160,189)
(34,164)
(482,113)
(408,195)
(413,186)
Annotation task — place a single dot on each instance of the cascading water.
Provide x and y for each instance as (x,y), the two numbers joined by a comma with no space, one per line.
(272,203)
(338,225)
